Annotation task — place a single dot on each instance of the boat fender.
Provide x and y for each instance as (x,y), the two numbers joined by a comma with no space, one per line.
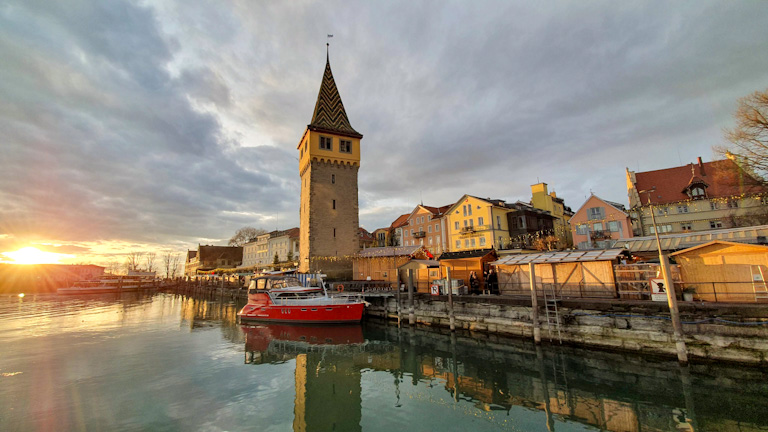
(340,288)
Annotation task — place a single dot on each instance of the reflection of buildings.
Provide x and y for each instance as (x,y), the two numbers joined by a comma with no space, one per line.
(611,392)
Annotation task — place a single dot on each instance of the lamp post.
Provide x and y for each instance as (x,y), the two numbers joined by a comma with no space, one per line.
(677,325)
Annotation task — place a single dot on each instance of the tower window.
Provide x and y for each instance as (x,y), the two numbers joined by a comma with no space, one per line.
(345,146)
(334,204)
(325,143)
(334,233)
(333,178)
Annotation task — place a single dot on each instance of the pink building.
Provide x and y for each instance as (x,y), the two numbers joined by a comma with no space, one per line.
(599,223)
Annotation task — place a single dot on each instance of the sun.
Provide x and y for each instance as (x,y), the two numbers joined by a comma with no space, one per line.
(32,255)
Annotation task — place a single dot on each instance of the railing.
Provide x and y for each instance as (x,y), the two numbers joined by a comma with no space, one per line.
(467,229)
(600,235)
(419,234)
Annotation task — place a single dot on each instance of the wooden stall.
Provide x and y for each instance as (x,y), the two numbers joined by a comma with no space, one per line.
(562,274)
(424,272)
(725,271)
(381,263)
(462,263)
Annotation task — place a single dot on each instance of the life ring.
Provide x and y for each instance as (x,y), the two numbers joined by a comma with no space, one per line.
(340,288)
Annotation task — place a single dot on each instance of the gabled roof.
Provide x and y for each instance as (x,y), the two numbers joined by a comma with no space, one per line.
(329,115)
(493,202)
(437,212)
(755,248)
(400,221)
(616,206)
(721,176)
(364,234)
(560,257)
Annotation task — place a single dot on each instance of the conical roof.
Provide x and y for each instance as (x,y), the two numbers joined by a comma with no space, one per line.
(329,112)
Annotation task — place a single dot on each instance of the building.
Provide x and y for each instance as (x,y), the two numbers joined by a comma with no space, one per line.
(529,227)
(380,236)
(695,197)
(397,230)
(366,239)
(250,254)
(329,160)
(208,258)
(542,199)
(425,227)
(262,249)
(476,223)
(285,245)
(598,223)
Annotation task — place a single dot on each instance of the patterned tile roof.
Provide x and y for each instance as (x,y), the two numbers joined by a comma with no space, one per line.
(329,112)
(720,176)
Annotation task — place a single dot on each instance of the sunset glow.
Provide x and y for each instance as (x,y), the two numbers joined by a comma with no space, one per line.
(32,255)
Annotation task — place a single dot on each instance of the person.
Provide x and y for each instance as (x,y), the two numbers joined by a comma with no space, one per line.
(493,284)
(474,286)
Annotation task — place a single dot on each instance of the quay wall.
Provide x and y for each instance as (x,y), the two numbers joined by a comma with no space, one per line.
(721,332)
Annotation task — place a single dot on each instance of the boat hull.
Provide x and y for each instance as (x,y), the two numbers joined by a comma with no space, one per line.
(307,314)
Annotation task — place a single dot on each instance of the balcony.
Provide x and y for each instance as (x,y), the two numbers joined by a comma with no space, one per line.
(468,229)
(419,234)
(600,235)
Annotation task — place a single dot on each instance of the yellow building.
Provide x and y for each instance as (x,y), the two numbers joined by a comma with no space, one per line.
(542,199)
(329,159)
(476,223)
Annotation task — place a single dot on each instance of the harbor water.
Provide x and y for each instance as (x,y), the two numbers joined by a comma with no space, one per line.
(168,362)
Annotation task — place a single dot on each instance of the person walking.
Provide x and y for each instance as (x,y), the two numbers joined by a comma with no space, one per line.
(474,285)
(493,282)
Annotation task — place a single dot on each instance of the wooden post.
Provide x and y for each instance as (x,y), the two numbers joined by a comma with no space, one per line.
(411,312)
(450,298)
(534,304)
(397,294)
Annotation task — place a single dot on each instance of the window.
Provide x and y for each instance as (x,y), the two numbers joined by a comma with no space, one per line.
(582,229)
(498,222)
(698,192)
(464,207)
(661,210)
(466,243)
(469,207)
(715,224)
(662,229)
(598,226)
(325,143)
(437,227)
(713,205)
(732,203)
(430,241)
(596,213)
(686,226)
(482,241)
(334,233)
(614,226)
(456,225)
(333,178)
(458,244)
(473,242)
(334,204)
(429,228)
(411,232)
(682,208)
(480,221)
(345,146)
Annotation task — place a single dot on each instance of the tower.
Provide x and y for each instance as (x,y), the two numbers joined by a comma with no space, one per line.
(329,158)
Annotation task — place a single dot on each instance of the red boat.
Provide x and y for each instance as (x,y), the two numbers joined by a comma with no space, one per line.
(260,337)
(284,299)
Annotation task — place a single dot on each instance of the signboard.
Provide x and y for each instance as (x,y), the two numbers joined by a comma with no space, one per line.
(658,290)
(434,289)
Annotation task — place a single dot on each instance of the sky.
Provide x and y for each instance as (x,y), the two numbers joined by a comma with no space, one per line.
(159,125)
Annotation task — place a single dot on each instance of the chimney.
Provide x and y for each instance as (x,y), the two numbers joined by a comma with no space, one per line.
(701,167)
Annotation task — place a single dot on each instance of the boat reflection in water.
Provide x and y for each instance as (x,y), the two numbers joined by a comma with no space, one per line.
(507,383)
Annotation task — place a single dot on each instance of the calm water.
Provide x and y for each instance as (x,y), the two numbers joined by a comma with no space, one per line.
(169,362)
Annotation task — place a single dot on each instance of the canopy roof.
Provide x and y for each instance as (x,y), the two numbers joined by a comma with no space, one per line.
(561,257)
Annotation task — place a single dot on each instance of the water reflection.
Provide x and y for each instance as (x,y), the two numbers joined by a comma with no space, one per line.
(499,378)
(173,362)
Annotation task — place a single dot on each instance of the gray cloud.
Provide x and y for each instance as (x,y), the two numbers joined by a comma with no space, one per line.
(172,122)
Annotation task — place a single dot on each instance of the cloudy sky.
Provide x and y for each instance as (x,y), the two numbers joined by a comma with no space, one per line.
(158,125)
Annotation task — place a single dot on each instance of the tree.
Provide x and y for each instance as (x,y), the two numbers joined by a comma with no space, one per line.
(149,258)
(749,138)
(170,262)
(133,261)
(289,258)
(244,235)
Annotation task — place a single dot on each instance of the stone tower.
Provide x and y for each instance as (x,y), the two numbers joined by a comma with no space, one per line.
(329,158)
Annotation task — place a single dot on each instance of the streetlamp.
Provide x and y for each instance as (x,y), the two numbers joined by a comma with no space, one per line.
(677,326)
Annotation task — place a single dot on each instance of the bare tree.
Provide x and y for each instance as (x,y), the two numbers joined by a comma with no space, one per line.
(244,235)
(749,138)
(149,258)
(168,263)
(133,261)
(112,266)
(175,265)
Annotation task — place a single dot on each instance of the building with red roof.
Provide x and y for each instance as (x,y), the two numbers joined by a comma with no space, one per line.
(695,197)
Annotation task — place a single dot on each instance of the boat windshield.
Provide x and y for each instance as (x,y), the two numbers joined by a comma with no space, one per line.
(285,283)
